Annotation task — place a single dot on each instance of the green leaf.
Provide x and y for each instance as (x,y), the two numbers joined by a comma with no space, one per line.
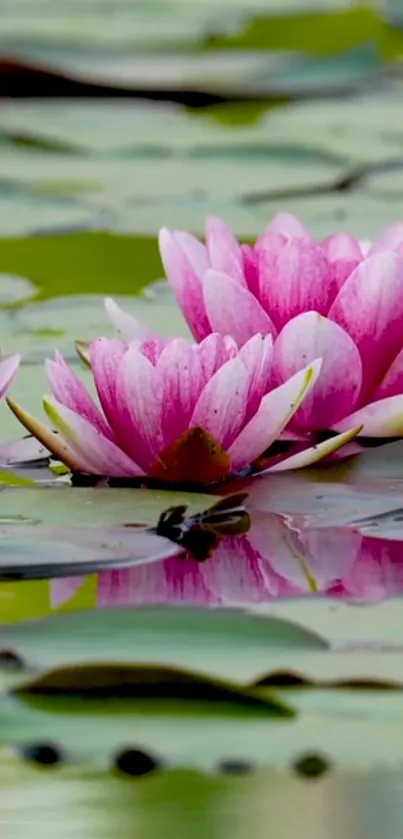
(72,262)
(92,507)
(227,643)
(318,33)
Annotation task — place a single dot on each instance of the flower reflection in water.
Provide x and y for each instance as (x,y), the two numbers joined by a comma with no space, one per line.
(278,558)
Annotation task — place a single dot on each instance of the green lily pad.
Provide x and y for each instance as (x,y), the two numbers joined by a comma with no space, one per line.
(70,263)
(92,507)
(227,643)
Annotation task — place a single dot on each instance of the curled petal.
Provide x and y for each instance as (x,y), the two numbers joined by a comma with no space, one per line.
(337,389)
(369,307)
(179,263)
(378,419)
(232,309)
(224,251)
(274,413)
(103,456)
(220,409)
(127,327)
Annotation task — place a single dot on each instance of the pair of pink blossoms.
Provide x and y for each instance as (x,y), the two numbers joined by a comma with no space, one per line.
(296,341)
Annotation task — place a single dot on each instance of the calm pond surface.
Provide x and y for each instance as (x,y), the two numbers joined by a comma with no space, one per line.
(118,118)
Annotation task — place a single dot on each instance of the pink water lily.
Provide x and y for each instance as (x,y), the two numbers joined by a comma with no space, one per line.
(174,411)
(338,299)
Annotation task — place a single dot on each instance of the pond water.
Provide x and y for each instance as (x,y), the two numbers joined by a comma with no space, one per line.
(118,118)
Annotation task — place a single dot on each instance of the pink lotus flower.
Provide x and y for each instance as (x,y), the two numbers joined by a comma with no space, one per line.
(337,299)
(173,411)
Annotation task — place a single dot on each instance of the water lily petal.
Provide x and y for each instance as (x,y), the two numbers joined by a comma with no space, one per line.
(369,307)
(184,280)
(105,357)
(378,419)
(337,389)
(389,239)
(83,351)
(257,356)
(54,443)
(232,309)
(342,246)
(8,370)
(194,250)
(220,409)
(67,388)
(180,369)
(224,250)
(140,395)
(294,278)
(288,225)
(392,382)
(274,413)
(127,327)
(151,348)
(213,352)
(22,451)
(343,253)
(250,268)
(102,455)
(313,454)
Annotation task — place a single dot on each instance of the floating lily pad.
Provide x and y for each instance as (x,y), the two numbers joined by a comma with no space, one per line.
(72,263)
(32,552)
(92,507)
(230,643)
